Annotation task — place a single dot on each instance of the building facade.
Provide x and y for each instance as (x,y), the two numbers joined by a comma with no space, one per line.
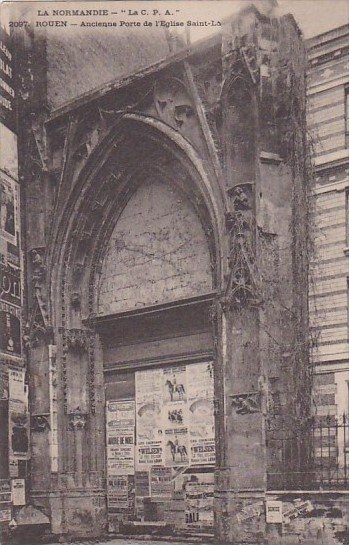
(14,423)
(166,234)
(328,121)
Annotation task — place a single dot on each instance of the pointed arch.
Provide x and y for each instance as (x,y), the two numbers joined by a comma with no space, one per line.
(135,144)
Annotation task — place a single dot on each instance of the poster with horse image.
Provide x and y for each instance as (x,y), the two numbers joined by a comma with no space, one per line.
(176,447)
(174,384)
(175,416)
(200,389)
(149,429)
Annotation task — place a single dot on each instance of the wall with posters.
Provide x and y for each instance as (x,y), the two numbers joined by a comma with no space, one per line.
(161,448)
(14,391)
(7,91)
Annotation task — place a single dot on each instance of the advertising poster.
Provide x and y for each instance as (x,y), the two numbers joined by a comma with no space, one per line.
(121,494)
(3,382)
(273,512)
(120,437)
(142,484)
(199,496)
(149,449)
(8,214)
(13,467)
(142,490)
(16,384)
(10,285)
(10,329)
(5,491)
(120,423)
(18,430)
(7,94)
(5,514)
(13,255)
(175,416)
(161,484)
(178,418)
(3,252)
(201,413)
(172,419)
(118,492)
(18,491)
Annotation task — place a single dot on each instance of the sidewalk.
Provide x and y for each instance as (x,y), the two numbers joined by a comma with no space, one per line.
(122,540)
(144,540)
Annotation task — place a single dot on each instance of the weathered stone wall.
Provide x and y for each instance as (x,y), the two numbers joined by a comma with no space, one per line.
(98,57)
(157,253)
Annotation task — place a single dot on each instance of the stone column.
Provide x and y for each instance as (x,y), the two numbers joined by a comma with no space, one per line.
(77,423)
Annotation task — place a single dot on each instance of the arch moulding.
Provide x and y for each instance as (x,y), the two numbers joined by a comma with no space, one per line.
(135,145)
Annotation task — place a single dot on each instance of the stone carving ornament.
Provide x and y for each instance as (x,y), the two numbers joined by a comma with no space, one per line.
(248,403)
(241,286)
(38,266)
(36,331)
(173,103)
(39,423)
(77,420)
(77,340)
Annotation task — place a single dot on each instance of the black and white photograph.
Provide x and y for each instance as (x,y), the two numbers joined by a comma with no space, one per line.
(174,272)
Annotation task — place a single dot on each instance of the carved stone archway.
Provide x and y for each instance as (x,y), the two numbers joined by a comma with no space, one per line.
(135,146)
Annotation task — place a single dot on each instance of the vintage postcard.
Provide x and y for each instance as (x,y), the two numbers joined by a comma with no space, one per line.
(174,352)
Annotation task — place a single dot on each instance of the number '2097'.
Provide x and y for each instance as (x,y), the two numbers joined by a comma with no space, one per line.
(18,24)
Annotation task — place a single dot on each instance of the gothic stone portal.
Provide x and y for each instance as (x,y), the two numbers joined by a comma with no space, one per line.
(156,285)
